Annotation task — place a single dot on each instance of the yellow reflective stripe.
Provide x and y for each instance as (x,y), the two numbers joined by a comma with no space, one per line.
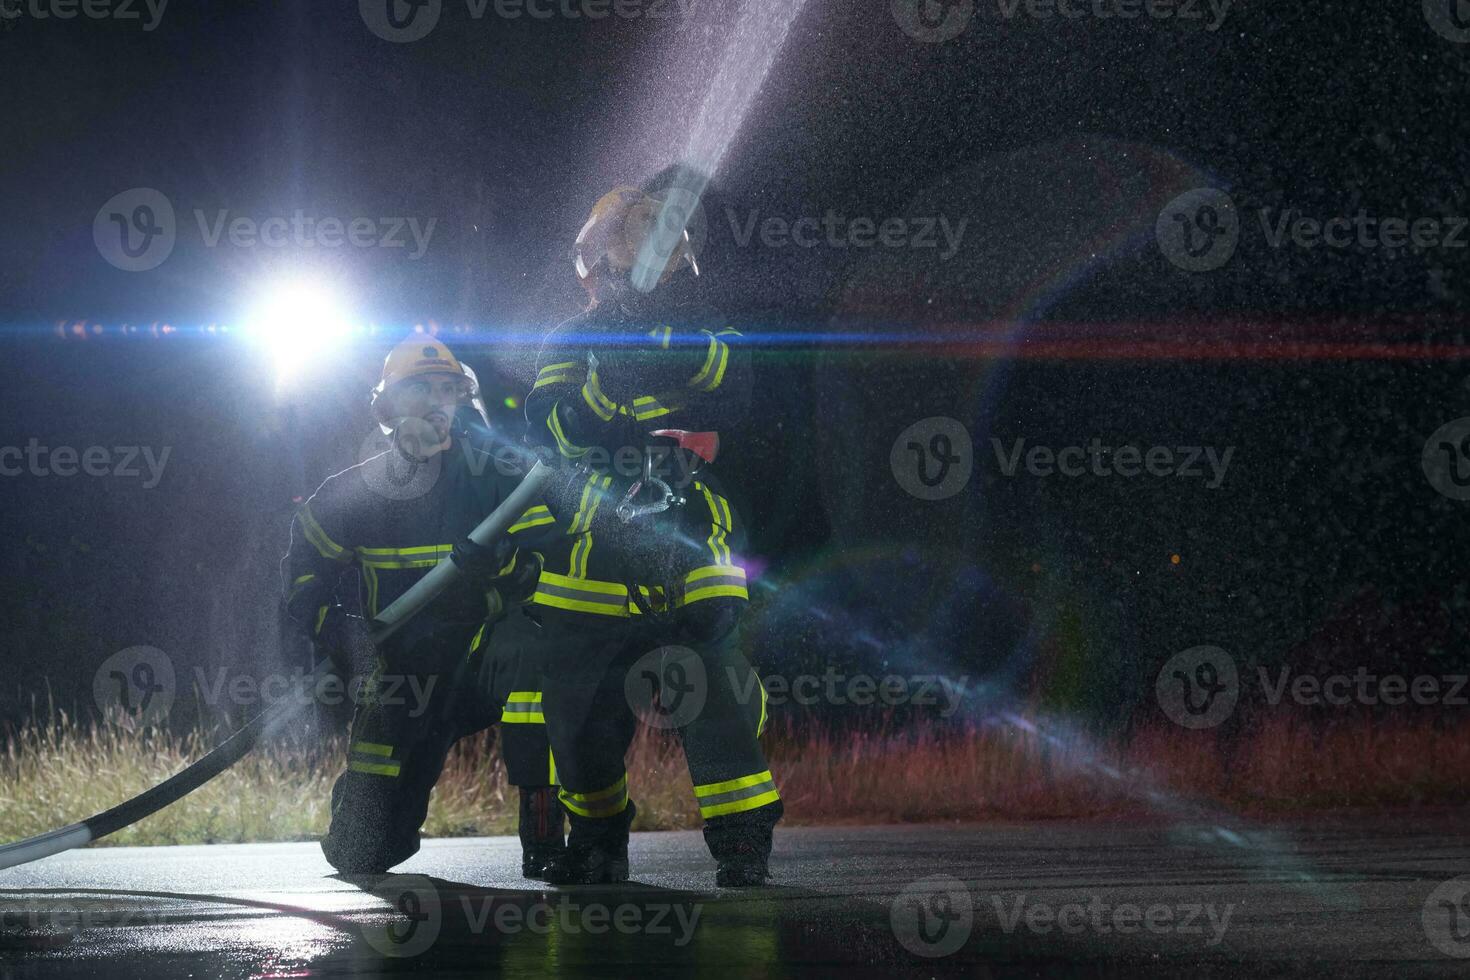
(582,595)
(581,551)
(475,643)
(712,789)
(372,748)
(760,728)
(565,445)
(303,578)
(603,803)
(718,580)
(592,495)
(424,556)
(523,707)
(325,545)
(716,542)
(662,335)
(371,574)
(375,769)
(550,768)
(715,592)
(736,795)
(739,806)
(535,517)
(602,406)
(713,372)
(321,617)
(563,373)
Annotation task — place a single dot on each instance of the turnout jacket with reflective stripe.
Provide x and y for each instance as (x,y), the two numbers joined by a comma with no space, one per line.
(608,377)
(390,520)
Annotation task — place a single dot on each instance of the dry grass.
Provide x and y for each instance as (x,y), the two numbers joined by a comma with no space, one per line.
(65,771)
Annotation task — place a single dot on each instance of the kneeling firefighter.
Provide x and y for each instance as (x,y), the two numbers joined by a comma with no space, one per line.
(650,561)
(447,673)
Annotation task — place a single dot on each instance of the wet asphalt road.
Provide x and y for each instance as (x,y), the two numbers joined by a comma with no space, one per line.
(1339,895)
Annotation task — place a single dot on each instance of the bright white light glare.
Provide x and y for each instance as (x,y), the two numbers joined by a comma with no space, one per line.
(296,323)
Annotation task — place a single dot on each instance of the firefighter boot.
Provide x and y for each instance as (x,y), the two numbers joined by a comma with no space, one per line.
(597,851)
(741,845)
(543,841)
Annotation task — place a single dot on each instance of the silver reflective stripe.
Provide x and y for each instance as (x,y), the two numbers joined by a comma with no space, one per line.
(702,583)
(743,793)
(601,598)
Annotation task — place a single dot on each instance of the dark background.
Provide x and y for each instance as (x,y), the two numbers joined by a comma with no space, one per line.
(1058,320)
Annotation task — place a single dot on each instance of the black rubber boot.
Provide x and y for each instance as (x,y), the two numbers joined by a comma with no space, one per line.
(741,845)
(597,851)
(542,827)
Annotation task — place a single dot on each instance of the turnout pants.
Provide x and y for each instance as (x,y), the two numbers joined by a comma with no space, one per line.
(405,724)
(606,659)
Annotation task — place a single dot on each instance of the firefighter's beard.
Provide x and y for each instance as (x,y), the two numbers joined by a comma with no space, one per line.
(421,439)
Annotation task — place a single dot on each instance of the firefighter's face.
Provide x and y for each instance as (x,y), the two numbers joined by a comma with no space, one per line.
(431,398)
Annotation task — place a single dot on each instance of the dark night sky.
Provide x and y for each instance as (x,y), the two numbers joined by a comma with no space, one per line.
(1057,141)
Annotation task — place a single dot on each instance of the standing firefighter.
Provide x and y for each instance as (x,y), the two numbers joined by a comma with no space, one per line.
(628,402)
(448,673)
